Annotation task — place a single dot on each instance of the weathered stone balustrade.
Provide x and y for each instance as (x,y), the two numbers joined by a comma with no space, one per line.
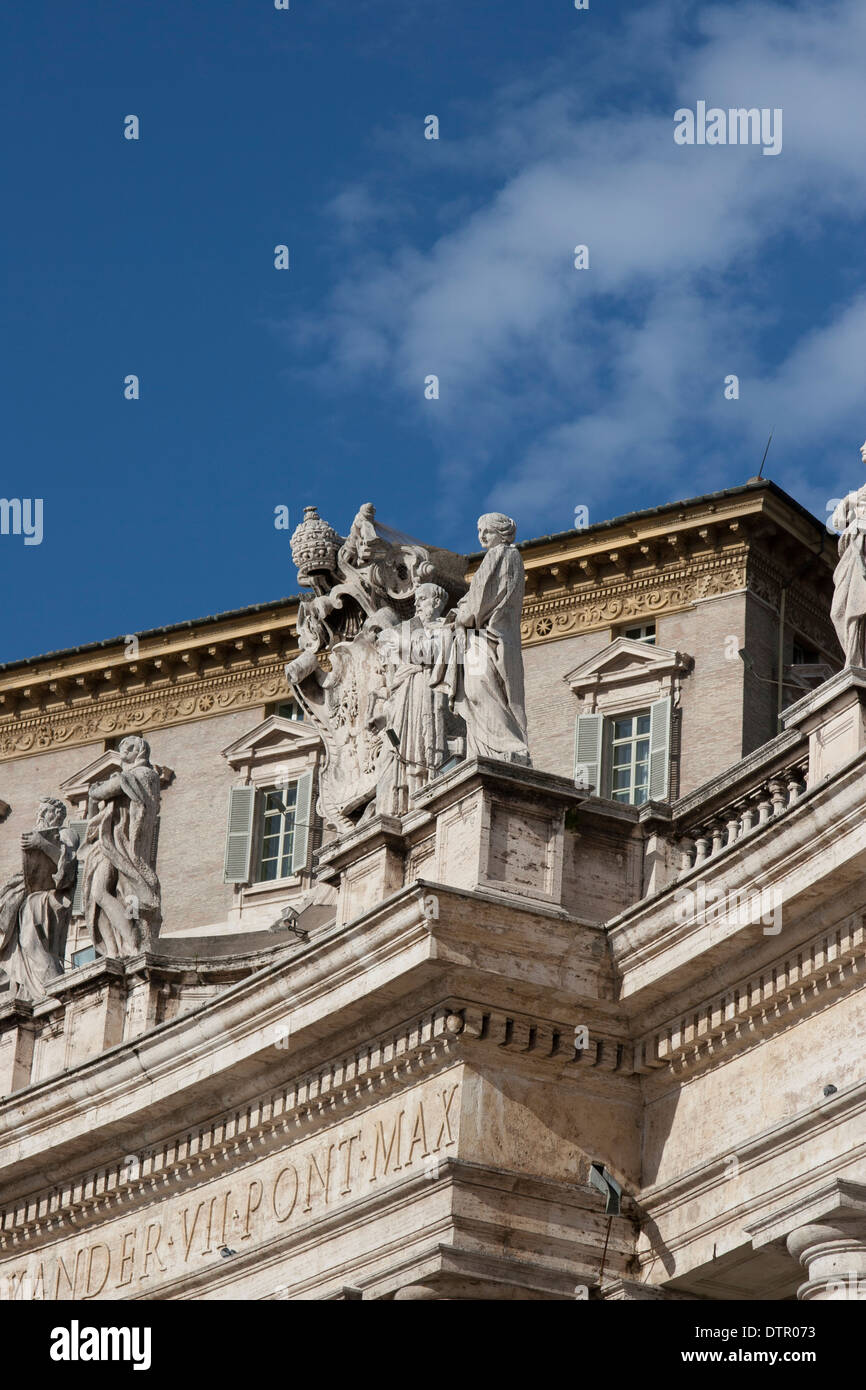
(749,811)
(697,827)
(822,733)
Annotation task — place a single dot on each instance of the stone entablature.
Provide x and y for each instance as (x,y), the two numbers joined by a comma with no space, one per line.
(108,1002)
(794,984)
(660,563)
(79,698)
(427,1045)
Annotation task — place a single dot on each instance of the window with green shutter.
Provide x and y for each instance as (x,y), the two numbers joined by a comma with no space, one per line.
(625,757)
(239,835)
(588,743)
(660,749)
(303,823)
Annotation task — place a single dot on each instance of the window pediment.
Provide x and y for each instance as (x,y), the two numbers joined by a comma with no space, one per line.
(628,672)
(76,788)
(275,740)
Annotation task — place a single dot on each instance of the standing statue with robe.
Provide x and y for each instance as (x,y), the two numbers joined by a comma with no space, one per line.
(489,684)
(412,707)
(848,610)
(35,905)
(121,892)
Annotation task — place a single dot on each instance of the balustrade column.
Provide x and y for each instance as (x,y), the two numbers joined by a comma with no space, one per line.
(702,846)
(778,793)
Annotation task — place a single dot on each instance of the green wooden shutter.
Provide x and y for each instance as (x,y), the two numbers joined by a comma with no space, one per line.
(660,749)
(303,819)
(81,827)
(239,835)
(588,734)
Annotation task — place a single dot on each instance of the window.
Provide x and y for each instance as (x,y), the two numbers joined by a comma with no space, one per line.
(83,957)
(289,709)
(278,808)
(641,632)
(625,756)
(629,758)
(803,655)
(268,829)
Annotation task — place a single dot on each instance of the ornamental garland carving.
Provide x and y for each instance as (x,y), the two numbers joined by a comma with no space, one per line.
(38,731)
(621,600)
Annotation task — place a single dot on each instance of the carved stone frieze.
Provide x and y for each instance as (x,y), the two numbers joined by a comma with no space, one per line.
(115,713)
(597,605)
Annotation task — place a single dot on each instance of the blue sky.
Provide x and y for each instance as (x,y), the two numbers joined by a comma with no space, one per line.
(409,257)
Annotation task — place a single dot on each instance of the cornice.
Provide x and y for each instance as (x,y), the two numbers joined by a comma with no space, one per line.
(319,1097)
(600,601)
(171,701)
(786,990)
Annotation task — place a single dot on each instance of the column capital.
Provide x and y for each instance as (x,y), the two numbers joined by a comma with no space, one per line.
(829,1240)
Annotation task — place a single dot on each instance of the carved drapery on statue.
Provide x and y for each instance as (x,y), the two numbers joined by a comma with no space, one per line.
(35,905)
(490,676)
(849,578)
(391,670)
(121,891)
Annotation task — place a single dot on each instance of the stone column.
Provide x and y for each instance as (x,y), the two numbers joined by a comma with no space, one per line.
(833,1252)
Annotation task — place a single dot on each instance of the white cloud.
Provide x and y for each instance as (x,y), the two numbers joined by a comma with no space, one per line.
(616,370)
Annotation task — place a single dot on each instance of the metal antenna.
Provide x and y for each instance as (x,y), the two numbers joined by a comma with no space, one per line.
(766,451)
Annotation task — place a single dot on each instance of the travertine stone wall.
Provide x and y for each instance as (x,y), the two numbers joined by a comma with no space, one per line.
(193,817)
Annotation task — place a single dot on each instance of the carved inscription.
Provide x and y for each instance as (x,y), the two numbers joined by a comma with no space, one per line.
(129,1257)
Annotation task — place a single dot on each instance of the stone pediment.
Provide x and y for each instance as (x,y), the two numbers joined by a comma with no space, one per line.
(76,788)
(627,667)
(275,737)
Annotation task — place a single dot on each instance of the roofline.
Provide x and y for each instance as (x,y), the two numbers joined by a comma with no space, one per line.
(598,527)
(753,485)
(190,623)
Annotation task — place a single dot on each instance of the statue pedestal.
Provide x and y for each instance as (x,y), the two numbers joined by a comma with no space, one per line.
(834,717)
(500,827)
(17,1035)
(486,825)
(368,862)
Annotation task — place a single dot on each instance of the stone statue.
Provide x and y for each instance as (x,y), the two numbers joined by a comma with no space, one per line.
(363,587)
(490,679)
(412,708)
(35,905)
(120,892)
(400,669)
(848,610)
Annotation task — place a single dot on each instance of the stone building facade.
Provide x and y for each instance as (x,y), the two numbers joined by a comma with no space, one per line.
(585,1028)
